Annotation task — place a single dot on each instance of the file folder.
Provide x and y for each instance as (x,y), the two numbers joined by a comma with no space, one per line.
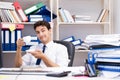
(13,42)
(3,39)
(33,8)
(7,25)
(20,11)
(108,68)
(45,12)
(18,35)
(77,42)
(19,26)
(70,39)
(7,40)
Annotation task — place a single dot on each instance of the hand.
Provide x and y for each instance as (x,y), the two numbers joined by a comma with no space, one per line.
(37,53)
(20,43)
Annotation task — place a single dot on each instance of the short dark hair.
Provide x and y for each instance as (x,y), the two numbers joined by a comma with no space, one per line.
(42,23)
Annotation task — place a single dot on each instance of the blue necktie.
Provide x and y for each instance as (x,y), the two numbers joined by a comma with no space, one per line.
(39,60)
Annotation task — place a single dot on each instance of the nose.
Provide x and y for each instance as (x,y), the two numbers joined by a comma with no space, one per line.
(40,34)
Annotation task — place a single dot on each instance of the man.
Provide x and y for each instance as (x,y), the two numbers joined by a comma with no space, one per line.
(54,55)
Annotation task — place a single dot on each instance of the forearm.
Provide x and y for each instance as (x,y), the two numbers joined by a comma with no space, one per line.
(18,58)
(48,62)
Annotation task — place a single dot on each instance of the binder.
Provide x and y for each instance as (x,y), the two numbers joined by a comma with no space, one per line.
(13,42)
(33,8)
(77,42)
(108,63)
(20,11)
(108,68)
(91,57)
(94,58)
(45,12)
(18,35)
(3,39)
(19,26)
(35,39)
(26,47)
(103,46)
(7,25)
(34,18)
(7,40)
(70,39)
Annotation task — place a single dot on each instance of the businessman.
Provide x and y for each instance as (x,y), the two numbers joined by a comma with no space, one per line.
(45,54)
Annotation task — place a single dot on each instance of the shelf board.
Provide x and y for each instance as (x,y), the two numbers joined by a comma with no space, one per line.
(11,52)
(17,23)
(8,51)
(82,50)
(67,23)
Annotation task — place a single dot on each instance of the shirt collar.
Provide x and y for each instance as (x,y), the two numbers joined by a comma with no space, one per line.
(49,44)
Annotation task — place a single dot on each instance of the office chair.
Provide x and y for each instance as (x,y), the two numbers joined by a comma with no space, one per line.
(70,48)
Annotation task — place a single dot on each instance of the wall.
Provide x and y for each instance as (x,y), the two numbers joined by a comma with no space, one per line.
(116,16)
(8,58)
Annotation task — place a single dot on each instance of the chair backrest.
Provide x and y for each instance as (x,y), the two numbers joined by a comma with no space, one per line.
(70,48)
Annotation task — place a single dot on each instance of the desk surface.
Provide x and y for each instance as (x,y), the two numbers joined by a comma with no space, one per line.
(44,77)
(40,77)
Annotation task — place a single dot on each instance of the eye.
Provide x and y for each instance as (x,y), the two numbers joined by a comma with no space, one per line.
(43,30)
(37,32)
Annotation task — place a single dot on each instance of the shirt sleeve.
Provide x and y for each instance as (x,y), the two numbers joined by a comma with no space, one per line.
(62,56)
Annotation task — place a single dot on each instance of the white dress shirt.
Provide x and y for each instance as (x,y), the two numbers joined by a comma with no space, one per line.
(54,51)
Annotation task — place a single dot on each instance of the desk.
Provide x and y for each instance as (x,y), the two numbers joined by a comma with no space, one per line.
(39,77)
(44,77)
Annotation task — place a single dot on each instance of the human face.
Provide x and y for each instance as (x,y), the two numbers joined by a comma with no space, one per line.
(43,34)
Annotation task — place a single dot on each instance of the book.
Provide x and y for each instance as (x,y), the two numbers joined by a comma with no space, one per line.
(34,18)
(102,13)
(105,15)
(46,13)
(33,8)
(68,16)
(62,15)
(20,11)
(6,5)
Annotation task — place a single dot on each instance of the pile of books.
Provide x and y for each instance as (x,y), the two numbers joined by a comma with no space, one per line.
(104,52)
(82,18)
(40,13)
(13,12)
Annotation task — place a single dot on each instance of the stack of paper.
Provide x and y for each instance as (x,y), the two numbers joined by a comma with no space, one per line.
(108,40)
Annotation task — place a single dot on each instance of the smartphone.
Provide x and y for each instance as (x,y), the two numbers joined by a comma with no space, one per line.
(61,74)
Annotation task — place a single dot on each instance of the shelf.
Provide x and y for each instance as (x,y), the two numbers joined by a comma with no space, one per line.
(82,51)
(92,23)
(18,23)
(10,52)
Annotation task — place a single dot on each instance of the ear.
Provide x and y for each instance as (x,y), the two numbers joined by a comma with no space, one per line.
(50,30)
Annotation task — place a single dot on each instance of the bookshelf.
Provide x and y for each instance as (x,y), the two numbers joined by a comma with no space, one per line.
(84,8)
(81,29)
(28,28)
